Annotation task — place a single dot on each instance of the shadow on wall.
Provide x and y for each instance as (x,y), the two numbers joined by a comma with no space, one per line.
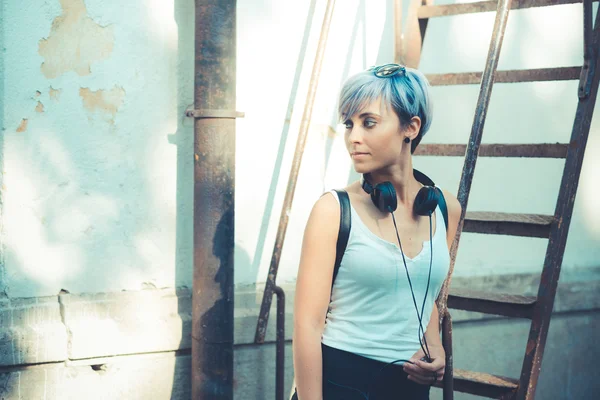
(183,139)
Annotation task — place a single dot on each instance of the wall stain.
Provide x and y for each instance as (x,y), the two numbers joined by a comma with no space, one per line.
(40,107)
(75,42)
(106,102)
(54,93)
(23,125)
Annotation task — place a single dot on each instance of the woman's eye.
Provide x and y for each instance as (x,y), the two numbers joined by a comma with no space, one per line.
(369,123)
(348,125)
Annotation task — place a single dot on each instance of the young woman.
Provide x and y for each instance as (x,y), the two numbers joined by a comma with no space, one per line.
(347,341)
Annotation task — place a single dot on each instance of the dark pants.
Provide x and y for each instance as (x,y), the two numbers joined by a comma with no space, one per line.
(347,376)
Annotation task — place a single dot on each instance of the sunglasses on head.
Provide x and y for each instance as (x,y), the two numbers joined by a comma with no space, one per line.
(388,70)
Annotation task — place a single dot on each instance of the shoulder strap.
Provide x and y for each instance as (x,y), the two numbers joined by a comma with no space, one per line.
(442,205)
(344,232)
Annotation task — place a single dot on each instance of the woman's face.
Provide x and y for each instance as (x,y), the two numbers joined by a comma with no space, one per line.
(374,138)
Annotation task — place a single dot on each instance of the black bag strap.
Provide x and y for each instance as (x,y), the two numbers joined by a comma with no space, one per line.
(344,232)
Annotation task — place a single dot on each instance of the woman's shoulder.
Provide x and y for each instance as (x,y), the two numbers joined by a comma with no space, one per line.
(454,207)
(352,189)
(327,207)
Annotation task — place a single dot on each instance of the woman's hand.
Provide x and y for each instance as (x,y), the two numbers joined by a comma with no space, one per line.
(423,372)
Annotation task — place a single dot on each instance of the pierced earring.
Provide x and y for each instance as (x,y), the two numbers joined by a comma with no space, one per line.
(406,140)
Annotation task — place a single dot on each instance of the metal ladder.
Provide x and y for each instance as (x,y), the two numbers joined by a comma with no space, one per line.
(553,227)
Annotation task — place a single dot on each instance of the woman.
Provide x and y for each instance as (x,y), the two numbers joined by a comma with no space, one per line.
(347,341)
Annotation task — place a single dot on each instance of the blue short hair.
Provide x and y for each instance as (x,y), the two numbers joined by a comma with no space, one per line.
(407,94)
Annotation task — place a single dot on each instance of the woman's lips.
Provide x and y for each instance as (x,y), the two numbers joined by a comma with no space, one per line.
(358,155)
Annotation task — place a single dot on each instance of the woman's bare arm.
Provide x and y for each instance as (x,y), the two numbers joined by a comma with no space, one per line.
(454,211)
(313,289)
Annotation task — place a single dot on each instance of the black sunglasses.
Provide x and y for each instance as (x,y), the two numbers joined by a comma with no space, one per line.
(388,70)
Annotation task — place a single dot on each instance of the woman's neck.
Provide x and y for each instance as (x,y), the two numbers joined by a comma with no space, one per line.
(401,176)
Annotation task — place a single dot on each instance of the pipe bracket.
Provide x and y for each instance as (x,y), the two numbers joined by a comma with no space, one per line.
(206,113)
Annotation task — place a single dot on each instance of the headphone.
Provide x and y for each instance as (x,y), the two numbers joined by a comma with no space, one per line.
(383,195)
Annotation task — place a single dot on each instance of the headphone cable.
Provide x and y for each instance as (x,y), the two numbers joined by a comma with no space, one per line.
(419,316)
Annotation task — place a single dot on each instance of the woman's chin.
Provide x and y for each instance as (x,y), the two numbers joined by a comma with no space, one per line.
(361,169)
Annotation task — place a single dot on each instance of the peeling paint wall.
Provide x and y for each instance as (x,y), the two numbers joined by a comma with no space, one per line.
(75,42)
(97,162)
(104,102)
(95,146)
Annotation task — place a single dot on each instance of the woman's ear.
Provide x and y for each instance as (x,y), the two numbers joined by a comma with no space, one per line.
(413,128)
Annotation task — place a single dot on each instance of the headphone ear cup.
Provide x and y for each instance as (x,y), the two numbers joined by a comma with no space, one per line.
(426,201)
(384,197)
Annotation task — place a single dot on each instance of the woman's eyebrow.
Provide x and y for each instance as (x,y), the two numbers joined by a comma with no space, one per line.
(368,113)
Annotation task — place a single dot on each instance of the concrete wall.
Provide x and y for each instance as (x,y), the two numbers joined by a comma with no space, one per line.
(96,177)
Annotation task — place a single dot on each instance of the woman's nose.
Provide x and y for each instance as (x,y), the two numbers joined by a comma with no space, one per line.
(354,135)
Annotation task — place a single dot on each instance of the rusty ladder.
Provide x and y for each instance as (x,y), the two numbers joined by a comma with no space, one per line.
(553,227)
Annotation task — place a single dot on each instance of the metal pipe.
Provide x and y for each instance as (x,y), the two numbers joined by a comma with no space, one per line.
(280,344)
(468,171)
(415,33)
(587,29)
(398,37)
(214,171)
(263,318)
(448,385)
(589,63)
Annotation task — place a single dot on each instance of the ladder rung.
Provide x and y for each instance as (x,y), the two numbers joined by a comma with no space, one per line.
(509,305)
(530,225)
(511,76)
(425,12)
(482,384)
(541,150)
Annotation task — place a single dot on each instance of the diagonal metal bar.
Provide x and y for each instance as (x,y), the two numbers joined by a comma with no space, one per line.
(468,171)
(559,231)
(263,318)
(485,93)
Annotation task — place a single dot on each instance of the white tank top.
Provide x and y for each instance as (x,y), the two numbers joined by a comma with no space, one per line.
(372,313)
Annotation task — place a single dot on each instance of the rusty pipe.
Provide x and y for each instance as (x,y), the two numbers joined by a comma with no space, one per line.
(398,37)
(263,318)
(448,384)
(280,344)
(214,172)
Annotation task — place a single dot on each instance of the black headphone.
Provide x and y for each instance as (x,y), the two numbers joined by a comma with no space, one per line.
(383,195)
